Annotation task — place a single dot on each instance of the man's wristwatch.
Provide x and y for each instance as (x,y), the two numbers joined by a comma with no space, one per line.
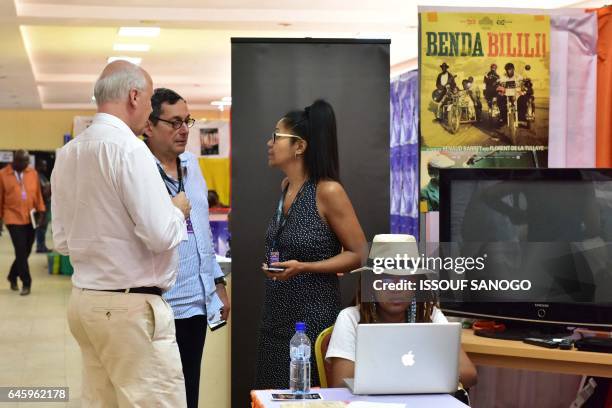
(220,280)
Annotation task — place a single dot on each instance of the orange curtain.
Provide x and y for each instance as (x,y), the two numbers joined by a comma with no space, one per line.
(604,88)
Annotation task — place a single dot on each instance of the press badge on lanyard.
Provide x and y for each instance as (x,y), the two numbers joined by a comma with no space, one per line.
(281,221)
(24,196)
(189,225)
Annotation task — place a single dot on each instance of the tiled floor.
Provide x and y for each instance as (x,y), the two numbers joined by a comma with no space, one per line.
(36,347)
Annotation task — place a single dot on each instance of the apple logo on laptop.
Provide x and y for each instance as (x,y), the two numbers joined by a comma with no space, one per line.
(408,359)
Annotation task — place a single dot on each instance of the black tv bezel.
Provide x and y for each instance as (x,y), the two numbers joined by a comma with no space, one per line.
(565,314)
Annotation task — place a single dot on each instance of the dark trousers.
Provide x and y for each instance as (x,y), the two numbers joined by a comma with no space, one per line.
(41,233)
(23,238)
(190,336)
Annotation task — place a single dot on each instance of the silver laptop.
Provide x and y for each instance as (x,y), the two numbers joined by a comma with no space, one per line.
(406,358)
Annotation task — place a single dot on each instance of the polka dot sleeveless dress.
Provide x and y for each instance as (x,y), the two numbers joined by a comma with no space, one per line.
(310,298)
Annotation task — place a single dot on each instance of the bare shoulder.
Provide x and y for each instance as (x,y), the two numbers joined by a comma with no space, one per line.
(331,198)
(328,190)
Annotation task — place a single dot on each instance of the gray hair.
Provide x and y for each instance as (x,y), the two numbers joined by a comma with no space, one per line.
(116,85)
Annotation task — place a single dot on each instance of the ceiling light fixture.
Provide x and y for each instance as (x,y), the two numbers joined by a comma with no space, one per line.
(132,47)
(133,60)
(139,31)
(221,104)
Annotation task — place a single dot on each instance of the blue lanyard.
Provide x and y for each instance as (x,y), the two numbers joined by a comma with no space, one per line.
(281,220)
(166,178)
(413,310)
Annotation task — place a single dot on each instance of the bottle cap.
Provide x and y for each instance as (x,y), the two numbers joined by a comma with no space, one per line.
(300,326)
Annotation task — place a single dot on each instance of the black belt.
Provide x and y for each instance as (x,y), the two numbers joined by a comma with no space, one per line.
(147,290)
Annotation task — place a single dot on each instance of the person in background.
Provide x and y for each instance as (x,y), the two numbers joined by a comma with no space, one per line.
(510,79)
(45,187)
(213,200)
(491,79)
(313,236)
(199,293)
(20,196)
(113,217)
(431,192)
(474,94)
(445,83)
(445,78)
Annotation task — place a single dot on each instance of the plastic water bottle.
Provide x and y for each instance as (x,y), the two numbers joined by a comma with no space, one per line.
(299,368)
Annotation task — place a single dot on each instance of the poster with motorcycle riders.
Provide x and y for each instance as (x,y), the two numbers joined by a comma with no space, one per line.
(484,81)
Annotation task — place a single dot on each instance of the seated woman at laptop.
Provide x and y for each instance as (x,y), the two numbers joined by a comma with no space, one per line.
(377,306)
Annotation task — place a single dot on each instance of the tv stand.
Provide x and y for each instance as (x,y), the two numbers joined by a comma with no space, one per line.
(520,330)
(521,356)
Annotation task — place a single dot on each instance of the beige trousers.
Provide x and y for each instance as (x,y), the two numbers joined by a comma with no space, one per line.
(128,344)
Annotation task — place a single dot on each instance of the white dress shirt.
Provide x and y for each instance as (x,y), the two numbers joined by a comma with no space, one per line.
(111,211)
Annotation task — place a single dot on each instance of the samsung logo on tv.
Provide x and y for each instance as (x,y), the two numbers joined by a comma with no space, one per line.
(541,305)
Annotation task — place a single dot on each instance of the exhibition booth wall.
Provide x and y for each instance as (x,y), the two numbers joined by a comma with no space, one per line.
(45,129)
(269,78)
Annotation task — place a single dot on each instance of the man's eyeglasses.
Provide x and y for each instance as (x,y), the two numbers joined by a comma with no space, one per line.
(176,124)
(276,135)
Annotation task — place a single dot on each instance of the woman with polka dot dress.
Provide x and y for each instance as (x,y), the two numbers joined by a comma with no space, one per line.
(313,235)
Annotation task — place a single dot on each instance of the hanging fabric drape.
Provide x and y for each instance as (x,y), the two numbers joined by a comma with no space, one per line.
(604,88)
(573,81)
(404,154)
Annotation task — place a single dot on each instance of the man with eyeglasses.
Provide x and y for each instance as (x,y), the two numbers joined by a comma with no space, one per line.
(199,296)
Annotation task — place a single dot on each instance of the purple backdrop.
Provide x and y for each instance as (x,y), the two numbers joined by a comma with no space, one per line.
(404,154)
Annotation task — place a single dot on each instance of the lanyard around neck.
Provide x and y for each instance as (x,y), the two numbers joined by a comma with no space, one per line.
(281,220)
(166,178)
(19,176)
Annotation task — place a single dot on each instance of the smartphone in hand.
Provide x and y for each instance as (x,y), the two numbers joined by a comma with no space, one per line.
(216,322)
(273,269)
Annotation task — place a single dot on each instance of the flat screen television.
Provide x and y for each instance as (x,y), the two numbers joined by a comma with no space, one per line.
(529,213)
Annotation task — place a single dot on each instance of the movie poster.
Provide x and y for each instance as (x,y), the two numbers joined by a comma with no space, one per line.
(209,141)
(484,80)
(484,93)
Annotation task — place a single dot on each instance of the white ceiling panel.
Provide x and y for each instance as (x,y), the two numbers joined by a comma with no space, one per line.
(53,50)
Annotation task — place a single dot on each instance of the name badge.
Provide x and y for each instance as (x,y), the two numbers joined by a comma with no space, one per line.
(274,257)
(189,226)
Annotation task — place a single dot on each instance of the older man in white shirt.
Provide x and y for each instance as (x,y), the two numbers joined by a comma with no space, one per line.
(113,216)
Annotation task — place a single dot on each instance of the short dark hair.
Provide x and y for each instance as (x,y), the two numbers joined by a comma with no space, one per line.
(316,124)
(160,96)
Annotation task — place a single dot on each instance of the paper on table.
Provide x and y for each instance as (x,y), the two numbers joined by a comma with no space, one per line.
(313,404)
(365,404)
